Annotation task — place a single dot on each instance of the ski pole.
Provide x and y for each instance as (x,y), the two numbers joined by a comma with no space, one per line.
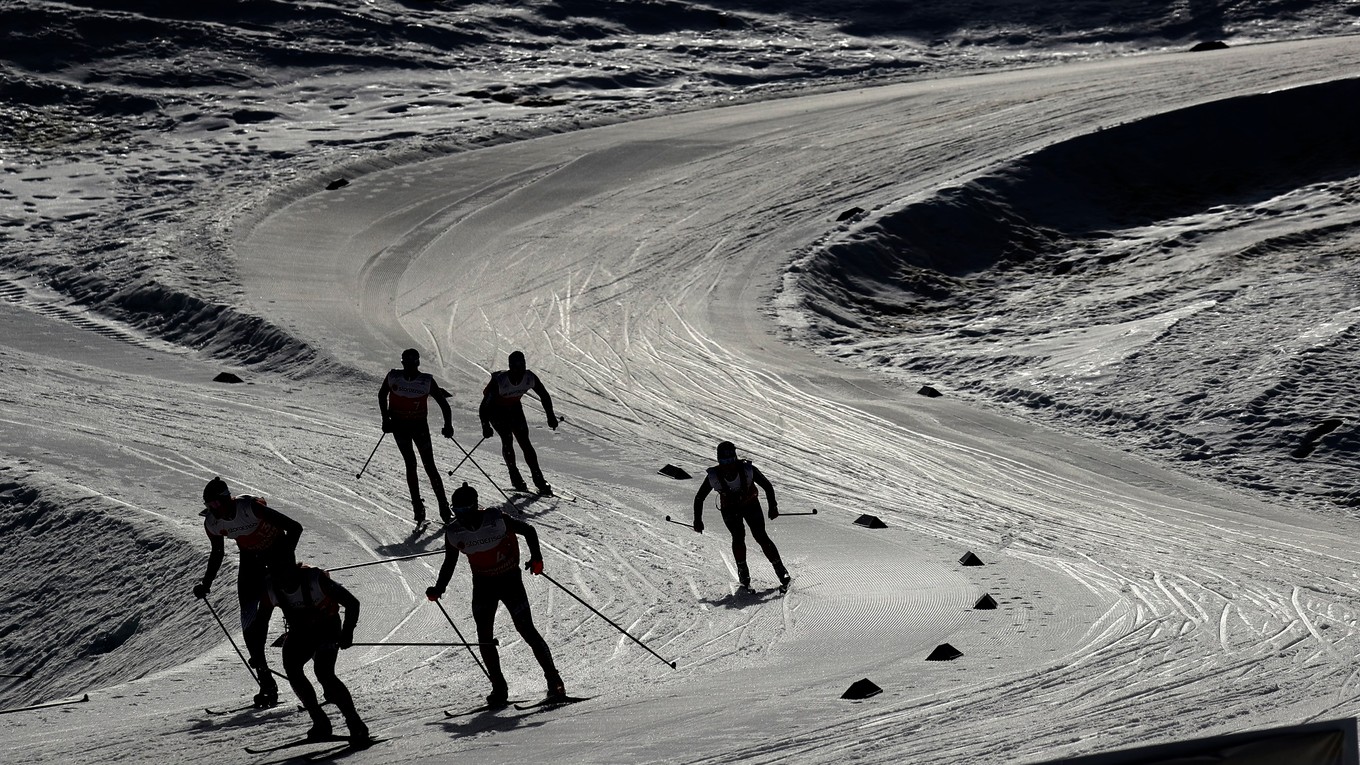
(370,455)
(86,697)
(679,523)
(467,456)
(385,560)
(460,637)
(441,645)
(249,668)
(25,676)
(814,512)
(606,618)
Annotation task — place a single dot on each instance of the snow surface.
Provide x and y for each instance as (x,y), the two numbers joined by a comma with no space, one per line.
(1130,269)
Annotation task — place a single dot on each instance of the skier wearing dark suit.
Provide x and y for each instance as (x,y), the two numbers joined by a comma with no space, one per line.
(311,601)
(267,539)
(501,412)
(490,540)
(403,402)
(736,481)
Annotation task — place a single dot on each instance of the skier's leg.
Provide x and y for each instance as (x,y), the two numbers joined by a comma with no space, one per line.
(517,602)
(520,427)
(484,604)
(756,521)
(298,649)
(323,664)
(402,435)
(255,613)
(734,524)
(426,449)
(504,430)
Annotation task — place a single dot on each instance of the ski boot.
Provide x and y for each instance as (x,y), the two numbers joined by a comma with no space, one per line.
(543,487)
(358,733)
(499,696)
(557,691)
(784,578)
(743,575)
(321,730)
(418,511)
(444,514)
(269,690)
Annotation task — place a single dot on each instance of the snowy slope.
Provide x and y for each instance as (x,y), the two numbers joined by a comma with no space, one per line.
(644,268)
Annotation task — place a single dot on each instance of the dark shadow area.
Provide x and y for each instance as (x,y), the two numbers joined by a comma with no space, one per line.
(1237,151)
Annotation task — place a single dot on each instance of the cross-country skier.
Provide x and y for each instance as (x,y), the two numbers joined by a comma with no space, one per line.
(736,481)
(502,412)
(267,540)
(488,538)
(311,601)
(403,402)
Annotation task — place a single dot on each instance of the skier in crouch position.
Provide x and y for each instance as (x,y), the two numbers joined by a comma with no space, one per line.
(488,538)
(736,481)
(502,411)
(311,601)
(267,540)
(403,401)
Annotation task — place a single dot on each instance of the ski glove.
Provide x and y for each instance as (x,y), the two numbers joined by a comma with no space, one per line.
(386,424)
(552,421)
(346,638)
(433,593)
(487,432)
(698,525)
(447,431)
(201,590)
(534,567)
(774,511)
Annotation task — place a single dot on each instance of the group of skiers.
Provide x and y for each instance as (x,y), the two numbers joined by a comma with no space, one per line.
(270,576)
(403,401)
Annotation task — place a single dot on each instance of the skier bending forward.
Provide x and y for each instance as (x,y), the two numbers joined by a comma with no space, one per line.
(488,538)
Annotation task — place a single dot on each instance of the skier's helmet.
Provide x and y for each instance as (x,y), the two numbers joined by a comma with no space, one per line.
(727,453)
(463,499)
(410,357)
(517,360)
(216,489)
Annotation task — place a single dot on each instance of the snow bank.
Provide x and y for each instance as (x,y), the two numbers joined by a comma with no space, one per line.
(95,595)
(1080,281)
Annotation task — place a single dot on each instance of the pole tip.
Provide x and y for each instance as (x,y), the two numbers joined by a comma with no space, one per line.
(668,517)
(814,511)
(673,665)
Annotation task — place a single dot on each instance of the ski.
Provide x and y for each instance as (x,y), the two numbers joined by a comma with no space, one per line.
(480,709)
(305,741)
(553,701)
(47,705)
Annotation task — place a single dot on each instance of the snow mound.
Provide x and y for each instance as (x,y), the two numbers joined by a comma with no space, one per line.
(1079,280)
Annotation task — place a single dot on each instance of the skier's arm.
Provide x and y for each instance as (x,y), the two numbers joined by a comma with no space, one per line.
(764,483)
(382,399)
(705,489)
(547,402)
(486,407)
(291,529)
(441,397)
(445,573)
(346,599)
(214,560)
(530,535)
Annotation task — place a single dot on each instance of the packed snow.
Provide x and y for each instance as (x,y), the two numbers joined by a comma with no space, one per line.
(1127,268)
